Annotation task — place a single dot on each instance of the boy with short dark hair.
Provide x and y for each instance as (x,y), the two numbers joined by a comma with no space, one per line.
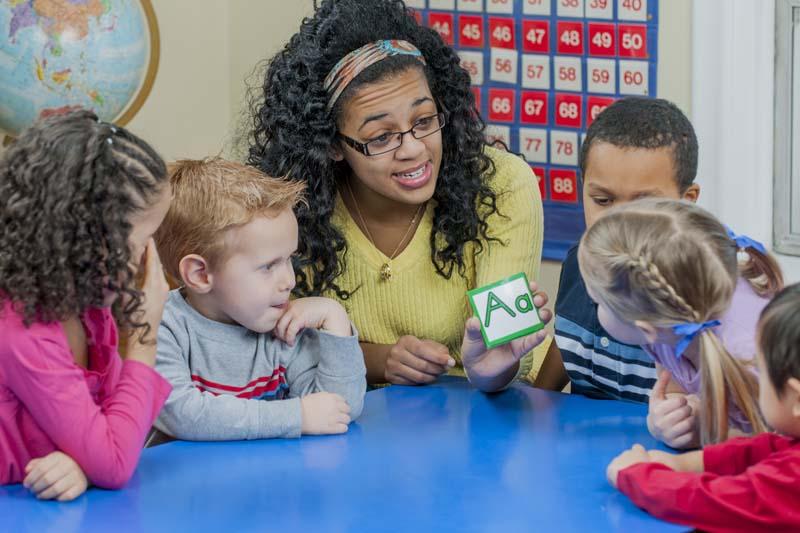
(637,147)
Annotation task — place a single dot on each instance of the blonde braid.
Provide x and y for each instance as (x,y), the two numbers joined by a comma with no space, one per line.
(648,273)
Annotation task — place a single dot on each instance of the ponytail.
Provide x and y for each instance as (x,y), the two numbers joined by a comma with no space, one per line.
(761,270)
(723,377)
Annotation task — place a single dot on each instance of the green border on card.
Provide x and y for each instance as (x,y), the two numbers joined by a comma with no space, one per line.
(507,338)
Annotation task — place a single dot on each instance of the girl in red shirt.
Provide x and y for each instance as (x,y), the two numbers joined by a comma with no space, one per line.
(744,484)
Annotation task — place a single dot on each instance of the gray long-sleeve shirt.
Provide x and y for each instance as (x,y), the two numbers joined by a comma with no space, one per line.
(221,375)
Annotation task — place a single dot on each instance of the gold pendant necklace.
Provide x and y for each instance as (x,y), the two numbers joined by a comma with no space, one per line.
(386,269)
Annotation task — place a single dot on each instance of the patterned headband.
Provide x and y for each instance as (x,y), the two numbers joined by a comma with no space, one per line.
(358,60)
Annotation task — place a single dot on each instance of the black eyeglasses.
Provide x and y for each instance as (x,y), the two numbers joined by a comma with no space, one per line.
(391,141)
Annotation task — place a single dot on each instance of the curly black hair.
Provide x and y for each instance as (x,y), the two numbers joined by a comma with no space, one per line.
(68,187)
(638,122)
(293,133)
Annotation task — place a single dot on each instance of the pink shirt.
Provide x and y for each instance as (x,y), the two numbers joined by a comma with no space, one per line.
(98,416)
(737,331)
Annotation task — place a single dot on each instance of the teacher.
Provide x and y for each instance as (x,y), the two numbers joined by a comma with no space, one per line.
(408,208)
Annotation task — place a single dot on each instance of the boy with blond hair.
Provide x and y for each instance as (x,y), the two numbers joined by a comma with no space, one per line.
(245,361)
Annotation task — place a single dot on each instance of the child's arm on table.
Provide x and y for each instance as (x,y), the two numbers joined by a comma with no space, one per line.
(192,414)
(689,489)
(330,361)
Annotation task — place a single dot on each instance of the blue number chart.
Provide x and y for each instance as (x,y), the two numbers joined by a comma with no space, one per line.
(541,72)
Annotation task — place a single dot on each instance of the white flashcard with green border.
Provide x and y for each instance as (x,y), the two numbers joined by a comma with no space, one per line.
(506,310)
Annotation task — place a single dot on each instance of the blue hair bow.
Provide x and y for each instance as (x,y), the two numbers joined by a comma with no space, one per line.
(744,242)
(689,331)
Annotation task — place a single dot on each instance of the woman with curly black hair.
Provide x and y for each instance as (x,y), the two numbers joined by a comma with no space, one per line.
(79,202)
(408,208)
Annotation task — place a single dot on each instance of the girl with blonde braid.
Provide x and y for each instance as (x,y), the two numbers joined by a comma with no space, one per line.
(669,276)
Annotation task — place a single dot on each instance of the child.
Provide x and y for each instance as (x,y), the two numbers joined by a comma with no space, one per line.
(745,484)
(79,202)
(637,147)
(230,335)
(665,275)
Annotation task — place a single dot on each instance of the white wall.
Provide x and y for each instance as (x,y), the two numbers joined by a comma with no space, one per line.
(732,89)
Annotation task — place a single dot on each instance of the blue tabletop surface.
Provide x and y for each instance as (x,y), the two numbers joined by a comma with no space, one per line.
(443,457)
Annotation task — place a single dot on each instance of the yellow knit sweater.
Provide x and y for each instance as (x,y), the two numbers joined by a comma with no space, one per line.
(416,300)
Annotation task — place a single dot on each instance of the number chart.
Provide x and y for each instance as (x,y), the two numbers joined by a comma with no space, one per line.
(541,71)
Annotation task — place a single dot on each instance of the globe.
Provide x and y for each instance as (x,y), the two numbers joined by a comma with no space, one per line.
(96,54)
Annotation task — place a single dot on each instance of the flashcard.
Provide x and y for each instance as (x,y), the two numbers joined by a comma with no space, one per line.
(505,309)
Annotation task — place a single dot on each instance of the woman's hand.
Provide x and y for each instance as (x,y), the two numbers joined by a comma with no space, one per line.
(493,369)
(413,361)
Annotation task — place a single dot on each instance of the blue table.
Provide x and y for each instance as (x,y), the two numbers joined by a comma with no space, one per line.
(437,458)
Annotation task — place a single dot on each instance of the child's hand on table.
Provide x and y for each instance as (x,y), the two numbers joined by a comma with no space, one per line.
(55,476)
(637,454)
(324,413)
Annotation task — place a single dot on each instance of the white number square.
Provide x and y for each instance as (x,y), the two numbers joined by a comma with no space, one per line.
(563,147)
(475,6)
(567,73)
(632,10)
(600,9)
(601,76)
(569,8)
(495,132)
(442,4)
(533,144)
(500,6)
(633,77)
(535,71)
(415,4)
(472,62)
(504,65)
(536,7)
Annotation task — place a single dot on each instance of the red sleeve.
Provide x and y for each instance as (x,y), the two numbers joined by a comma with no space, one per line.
(763,498)
(737,455)
(105,440)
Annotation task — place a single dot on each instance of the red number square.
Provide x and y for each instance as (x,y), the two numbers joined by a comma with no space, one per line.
(476,92)
(568,110)
(601,39)
(536,36)
(417,16)
(470,31)
(443,24)
(539,173)
(563,185)
(594,106)
(632,40)
(501,105)
(533,107)
(570,37)
(501,33)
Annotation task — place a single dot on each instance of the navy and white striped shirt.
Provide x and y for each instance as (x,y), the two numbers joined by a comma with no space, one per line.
(597,364)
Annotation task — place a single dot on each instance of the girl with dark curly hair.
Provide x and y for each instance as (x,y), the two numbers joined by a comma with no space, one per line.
(79,202)
(408,207)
